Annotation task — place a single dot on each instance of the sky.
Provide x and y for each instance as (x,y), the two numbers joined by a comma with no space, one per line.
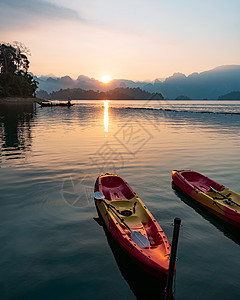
(127,39)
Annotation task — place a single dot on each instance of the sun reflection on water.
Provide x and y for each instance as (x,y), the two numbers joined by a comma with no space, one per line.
(106,115)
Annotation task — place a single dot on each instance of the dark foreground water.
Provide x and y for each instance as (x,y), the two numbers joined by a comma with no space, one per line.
(51,248)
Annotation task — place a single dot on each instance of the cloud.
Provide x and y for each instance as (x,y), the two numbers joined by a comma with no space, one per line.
(25,13)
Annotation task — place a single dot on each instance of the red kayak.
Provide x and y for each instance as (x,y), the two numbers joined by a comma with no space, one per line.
(215,197)
(132,225)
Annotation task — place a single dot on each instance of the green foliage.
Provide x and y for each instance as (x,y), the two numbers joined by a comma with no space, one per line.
(15,81)
(17,85)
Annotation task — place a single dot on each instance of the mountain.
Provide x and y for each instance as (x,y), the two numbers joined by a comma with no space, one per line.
(205,85)
(50,84)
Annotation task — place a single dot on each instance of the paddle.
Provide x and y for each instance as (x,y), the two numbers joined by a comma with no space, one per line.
(136,236)
(229,199)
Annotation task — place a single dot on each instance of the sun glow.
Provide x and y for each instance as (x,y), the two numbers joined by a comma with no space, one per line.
(106,79)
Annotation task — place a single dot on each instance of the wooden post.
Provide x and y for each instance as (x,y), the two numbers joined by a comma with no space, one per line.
(172,263)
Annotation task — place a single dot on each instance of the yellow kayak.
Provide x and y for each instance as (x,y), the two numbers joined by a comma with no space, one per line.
(132,225)
(214,196)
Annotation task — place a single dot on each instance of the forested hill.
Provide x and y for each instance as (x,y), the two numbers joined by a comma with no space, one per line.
(115,94)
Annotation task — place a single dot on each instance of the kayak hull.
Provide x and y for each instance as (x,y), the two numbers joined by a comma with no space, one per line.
(198,187)
(154,259)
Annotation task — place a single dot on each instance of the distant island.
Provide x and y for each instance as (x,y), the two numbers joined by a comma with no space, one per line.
(230,96)
(115,94)
(182,97)
(118,94)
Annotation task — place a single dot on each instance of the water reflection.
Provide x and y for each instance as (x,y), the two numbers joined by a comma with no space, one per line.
(63,141)
(106,115)
(15,129)
(143,286)
(224,123)
(228,229)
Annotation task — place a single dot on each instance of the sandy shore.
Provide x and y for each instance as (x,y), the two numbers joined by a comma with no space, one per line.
(19,100)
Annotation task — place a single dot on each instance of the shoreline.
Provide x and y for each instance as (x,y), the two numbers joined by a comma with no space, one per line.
(19,100)
(28,100)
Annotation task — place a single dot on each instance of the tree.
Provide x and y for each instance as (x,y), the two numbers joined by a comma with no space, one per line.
(22,62)
(14,78)
(13,58)
(7,58)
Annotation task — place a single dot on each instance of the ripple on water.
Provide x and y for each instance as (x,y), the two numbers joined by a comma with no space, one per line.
(50,245)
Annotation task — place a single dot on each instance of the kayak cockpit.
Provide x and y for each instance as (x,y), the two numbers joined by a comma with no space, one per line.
(114,188)
(137,219)
(201,182)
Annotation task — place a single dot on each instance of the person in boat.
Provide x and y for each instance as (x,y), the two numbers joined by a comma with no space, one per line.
(69,102)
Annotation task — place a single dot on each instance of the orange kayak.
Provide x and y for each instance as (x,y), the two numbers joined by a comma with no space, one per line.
(132,225)
(217,198)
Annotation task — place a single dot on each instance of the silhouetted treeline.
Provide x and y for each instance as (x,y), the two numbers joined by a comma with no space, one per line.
(15,81)
(230,96)
(115,94)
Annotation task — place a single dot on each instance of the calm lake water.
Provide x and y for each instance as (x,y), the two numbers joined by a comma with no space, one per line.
(51,248)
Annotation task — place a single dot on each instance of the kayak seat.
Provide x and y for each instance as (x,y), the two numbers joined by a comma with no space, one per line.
(116,194)
(115,188)
(201,182)
(134,222)
(205,188)
(201,187)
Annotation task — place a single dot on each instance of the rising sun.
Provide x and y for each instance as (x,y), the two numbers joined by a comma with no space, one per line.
(106,79)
